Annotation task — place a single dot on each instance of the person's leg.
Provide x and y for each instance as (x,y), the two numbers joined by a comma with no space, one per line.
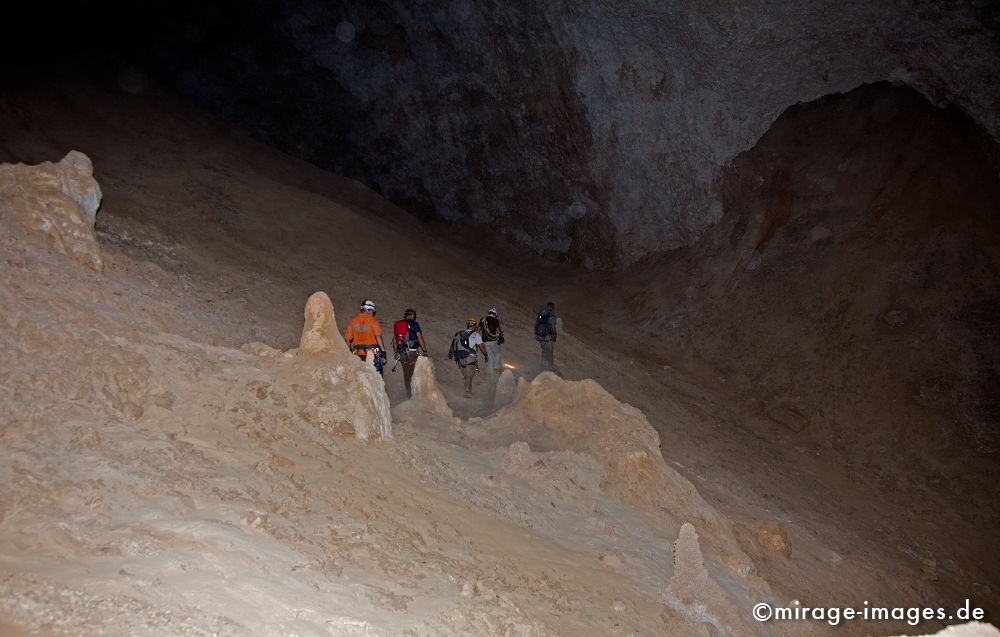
(493,349)
(408,360)
(468,371)
(547,357)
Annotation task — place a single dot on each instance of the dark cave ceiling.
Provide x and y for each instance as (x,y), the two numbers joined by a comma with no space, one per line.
(593,129)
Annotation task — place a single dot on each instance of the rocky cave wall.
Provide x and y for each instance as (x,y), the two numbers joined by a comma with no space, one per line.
(596,129)
(849,292)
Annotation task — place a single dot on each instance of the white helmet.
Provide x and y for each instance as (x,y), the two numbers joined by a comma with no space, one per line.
(368,304)
(492,312)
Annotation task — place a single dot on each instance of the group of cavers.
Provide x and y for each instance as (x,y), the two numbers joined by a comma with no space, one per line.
(480,337)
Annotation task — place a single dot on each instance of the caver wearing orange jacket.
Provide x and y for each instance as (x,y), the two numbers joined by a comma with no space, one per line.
(364,333)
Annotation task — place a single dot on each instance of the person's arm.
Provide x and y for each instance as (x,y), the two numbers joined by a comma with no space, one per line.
(349,335)
(482,348)
(420,339)
(552,329)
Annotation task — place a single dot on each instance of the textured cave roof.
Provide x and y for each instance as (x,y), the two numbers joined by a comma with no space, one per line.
(594,129)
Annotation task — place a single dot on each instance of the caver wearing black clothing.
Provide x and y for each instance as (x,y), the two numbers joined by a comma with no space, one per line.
(408,340)
(489,327)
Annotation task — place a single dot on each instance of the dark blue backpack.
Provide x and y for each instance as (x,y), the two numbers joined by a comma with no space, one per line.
(542,324)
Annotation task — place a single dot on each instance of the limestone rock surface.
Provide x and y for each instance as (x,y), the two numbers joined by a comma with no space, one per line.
(329,371)
(545,415)
(60,199)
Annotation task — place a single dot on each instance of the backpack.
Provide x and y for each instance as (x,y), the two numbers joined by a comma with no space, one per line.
(542,324)
(403,336)
(460,344)
(484,329)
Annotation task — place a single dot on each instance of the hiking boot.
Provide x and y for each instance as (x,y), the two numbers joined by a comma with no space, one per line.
(468,394)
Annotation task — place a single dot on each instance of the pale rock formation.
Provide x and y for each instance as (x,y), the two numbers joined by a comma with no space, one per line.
(545,414)
(319,334)
(693,591)
(518,454)
(323,371)
(689,566)
(506,389)
(60,199)
(425,388)
(523,385)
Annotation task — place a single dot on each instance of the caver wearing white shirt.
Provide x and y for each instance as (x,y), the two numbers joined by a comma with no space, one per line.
(464,347)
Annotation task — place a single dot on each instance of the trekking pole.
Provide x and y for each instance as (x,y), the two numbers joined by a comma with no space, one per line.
(396,363)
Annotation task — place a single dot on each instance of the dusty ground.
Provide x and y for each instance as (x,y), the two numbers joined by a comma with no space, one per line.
(159,477)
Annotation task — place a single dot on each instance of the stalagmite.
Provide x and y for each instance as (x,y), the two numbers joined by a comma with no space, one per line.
(319,334)
(693,591)
(373,387)
(506,389)
(425,387)
(329,386)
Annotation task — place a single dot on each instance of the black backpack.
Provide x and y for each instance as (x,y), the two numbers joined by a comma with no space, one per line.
(460,344)
(542,324)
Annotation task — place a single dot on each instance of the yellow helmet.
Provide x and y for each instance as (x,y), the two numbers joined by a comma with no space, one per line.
(471,322)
